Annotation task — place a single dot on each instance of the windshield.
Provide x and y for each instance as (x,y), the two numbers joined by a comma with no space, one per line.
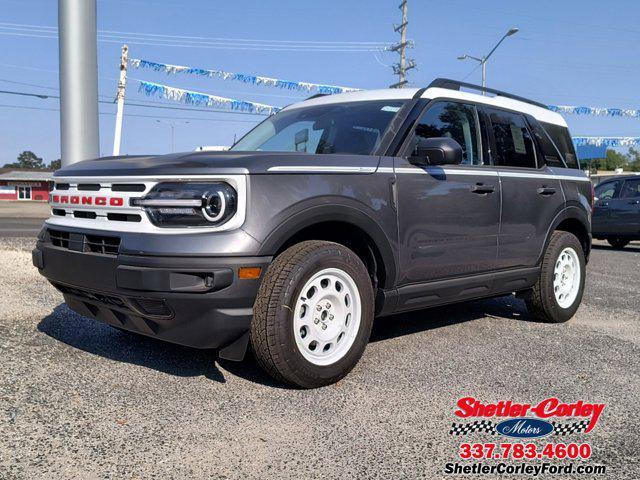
(351,128)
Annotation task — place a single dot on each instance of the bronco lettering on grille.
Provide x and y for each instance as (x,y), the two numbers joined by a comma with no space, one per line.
(87,200)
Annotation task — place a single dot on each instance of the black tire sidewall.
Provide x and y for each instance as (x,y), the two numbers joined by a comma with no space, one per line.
(553,309)
(334,256)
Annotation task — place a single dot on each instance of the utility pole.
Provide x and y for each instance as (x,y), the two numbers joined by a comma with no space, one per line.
(122,85)
(78,47)
(405,64)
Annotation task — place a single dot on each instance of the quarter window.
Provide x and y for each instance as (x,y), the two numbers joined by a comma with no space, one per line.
(562,139)
(453,120)
(552,156)
(631,189)
(514,144)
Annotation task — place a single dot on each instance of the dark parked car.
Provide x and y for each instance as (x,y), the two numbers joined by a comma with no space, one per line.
(336,210)
(616,214)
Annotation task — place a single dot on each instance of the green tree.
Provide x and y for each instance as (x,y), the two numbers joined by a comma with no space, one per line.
(27,159)
(634,160)
(615,160)
(55,164)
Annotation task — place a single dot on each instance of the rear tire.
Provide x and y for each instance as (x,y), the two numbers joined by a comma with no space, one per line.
(618,243)
(558,292)
(313,314)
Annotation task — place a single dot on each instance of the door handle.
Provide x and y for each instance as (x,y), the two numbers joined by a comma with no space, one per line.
(482,189)
(546,191)
(634,202)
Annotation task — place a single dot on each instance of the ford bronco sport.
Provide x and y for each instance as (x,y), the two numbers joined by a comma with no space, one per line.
(334,211)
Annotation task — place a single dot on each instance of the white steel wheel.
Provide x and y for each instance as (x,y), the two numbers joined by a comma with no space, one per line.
(566,277)
(327,316)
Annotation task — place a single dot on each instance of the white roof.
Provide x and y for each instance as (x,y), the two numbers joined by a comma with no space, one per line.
(542,114)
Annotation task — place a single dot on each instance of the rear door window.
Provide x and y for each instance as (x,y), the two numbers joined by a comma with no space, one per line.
(631,189)
(514,142)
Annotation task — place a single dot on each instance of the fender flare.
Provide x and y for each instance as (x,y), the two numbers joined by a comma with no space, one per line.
(568,213)
(334,213)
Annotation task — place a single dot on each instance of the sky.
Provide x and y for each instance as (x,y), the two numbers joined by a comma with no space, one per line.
(566,53)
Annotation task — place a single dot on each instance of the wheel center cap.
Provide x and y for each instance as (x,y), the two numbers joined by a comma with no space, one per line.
(325,321)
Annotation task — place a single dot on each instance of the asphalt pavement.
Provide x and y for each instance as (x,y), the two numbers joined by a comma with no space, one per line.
(20,227)
(22,219)
(79,399)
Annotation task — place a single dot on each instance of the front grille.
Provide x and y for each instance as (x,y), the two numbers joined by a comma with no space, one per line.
(96,297)
(102,244)
(59,239)
(93,204)
(83,214)
(90,187)
(146,307)
(128,187)
(153,307)
(79,242)
(124,217)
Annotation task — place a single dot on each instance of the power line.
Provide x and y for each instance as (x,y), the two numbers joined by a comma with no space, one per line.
(209,47)
(26,94)
(52,29)
(25,107)
(473,70)
(142,105)
(225,92)
(29,84)
(224,44)
(193,109)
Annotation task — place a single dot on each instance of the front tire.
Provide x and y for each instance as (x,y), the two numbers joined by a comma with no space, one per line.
(558,292)
(618,243)
(313,314)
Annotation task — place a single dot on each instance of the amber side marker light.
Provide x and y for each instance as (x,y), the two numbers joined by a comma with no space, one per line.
(249,273)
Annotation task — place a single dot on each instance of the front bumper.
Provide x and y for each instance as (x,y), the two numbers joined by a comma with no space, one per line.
(194,301)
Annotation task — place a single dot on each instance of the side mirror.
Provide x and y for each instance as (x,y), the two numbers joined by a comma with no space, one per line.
(436,151)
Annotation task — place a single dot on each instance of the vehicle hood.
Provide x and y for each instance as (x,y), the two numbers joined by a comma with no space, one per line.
(217,163)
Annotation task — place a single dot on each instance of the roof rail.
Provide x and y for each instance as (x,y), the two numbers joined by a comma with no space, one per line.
(457,85)
(317,95)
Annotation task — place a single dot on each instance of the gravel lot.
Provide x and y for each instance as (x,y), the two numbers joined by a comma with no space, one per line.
(79,399)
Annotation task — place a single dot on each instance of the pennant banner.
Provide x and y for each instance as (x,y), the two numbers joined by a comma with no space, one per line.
(241,77)
(599,111)
(607,141)
(203,99)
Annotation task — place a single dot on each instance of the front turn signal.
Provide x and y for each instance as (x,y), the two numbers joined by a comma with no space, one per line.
(249,273)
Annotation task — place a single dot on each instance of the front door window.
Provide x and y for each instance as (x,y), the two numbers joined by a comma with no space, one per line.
(457,121)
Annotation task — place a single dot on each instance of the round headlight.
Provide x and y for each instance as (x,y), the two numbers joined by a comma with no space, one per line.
(214,206)
(189,204)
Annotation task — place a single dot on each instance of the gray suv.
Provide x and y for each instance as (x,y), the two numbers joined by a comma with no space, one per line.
(336,210)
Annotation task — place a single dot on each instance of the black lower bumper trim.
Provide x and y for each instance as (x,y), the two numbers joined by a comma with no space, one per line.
(214,314)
